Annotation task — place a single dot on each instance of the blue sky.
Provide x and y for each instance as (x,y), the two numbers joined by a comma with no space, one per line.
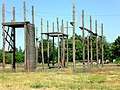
(104,11)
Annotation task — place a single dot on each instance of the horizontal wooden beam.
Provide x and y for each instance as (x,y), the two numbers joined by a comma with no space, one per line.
(55,34)
(15,24)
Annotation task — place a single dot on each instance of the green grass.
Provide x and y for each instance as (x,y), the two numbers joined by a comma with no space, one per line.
(67,80)
(106,78)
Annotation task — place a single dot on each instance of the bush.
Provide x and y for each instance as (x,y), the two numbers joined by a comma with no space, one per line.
(117,60)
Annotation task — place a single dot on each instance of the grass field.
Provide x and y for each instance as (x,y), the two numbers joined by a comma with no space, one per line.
(64,79)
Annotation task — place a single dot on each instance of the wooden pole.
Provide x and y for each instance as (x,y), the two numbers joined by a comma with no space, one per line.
(63,46)
(13,42)
(42,44)
(96,42)
(13,66)
(48,56)
(24,10)
(67,40)
(58,44)
(32,14)
(36,46)
(53,45)
(13,14)
(102,45)
(91,40)
(83,41)
(74,63)
(25,62)
(3,34)
(88,49)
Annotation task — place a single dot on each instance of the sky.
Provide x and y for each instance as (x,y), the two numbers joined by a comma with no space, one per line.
(104,11)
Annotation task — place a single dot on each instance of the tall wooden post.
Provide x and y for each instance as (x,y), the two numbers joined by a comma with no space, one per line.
(32,14)
(53,46)
(91,40)
(67,40)
(42,44)
(63,46)
(58,44)
(36,46)
(33,23)
(13,66)
(13,11)
(24,7)
(3,34)
(13,41)
(48,56)
(96,42)
(61,43)
(25,62)
(88,49)
(74,63)
(102,45)
(83,41)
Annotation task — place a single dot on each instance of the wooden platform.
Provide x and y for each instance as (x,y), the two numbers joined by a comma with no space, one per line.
(55,34)
(15,24)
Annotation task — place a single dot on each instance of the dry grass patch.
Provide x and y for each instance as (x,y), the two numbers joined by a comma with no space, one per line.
(107,80)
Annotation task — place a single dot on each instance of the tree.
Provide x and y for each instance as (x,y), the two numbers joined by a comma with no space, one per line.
(108,54)
(116,48)
(19,56)
(107,49)
(70,55)
(78,46)
(8,58)
(45,51)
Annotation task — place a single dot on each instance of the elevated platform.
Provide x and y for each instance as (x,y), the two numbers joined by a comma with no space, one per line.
(15,24)
(55,34)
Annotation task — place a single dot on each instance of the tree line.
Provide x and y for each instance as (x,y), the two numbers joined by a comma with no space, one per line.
(111,50)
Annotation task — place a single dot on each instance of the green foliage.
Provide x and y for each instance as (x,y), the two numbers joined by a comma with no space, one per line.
(45,51)
(8,56)
(19,56)
(78,46)
(116,48)
(117,60)
(70,55)
(108,53)
(111,50)
(78,43)
(107,49)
